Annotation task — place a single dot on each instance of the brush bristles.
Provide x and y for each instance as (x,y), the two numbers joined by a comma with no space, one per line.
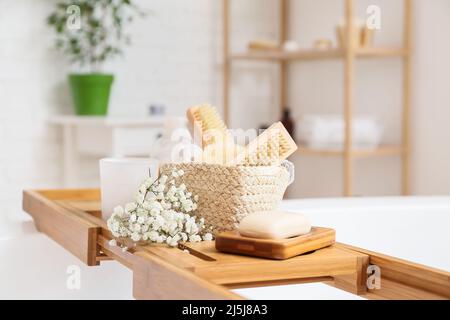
(270,148)
(210,118)
(210,132)
(207,123)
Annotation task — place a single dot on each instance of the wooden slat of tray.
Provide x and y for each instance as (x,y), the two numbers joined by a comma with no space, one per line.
(401,279)
(71,217)
(155,278)
(236,270)
(74,233)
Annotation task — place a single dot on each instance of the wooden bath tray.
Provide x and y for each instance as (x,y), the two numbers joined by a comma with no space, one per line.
(199,271)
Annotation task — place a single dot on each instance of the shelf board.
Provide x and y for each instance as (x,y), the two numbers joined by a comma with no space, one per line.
(283,56)
(380,52)
(383,151)
(312,54)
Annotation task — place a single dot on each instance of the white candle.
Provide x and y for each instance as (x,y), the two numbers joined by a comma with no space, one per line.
(120,179)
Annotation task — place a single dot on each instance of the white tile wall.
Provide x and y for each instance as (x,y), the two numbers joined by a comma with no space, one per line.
(175,59)
(30,83)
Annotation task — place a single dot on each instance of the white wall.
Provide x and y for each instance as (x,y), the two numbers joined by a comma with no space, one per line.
(431,96)
(30,86)
(176,60)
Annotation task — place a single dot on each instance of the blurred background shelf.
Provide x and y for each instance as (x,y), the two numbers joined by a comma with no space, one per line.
(382,151)
(314,54)
(349,51)
(100,136)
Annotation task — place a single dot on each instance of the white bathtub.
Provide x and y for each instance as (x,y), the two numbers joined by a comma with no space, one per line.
(415,229)
(412,228)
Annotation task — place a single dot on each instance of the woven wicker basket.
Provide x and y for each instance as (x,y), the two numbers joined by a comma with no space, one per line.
(229,193)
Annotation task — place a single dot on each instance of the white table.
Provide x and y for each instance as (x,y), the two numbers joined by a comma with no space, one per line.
(104,137)
(33,266)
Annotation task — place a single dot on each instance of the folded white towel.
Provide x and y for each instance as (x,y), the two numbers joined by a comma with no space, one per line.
(328,131)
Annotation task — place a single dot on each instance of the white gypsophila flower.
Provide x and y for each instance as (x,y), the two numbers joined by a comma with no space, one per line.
(154,212)
(160,214)
(195,238)
(173,227)
(140,198)
(188,226)
(207,237)
(112,243)
(194,229)
(129,207)
(141,219)
(147,205)
(173,241)
(135,236)
(153,235)
(118,211)
(141,211)
(142,189)
(168,215)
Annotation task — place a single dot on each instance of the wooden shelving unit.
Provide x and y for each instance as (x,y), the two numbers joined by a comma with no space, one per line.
(348,55)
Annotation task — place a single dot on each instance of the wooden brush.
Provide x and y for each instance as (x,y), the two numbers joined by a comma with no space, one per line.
(207,127)
(212,135)
(270,148)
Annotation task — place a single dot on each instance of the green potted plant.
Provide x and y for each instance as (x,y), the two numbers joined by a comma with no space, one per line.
(90,32)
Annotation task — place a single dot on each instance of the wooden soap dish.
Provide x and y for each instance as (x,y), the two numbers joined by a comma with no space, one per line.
(280,249)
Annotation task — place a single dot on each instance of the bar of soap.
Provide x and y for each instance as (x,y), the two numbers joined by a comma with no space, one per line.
(274,225)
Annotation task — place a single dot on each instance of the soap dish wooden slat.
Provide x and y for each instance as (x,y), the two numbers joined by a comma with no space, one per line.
(280,249)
